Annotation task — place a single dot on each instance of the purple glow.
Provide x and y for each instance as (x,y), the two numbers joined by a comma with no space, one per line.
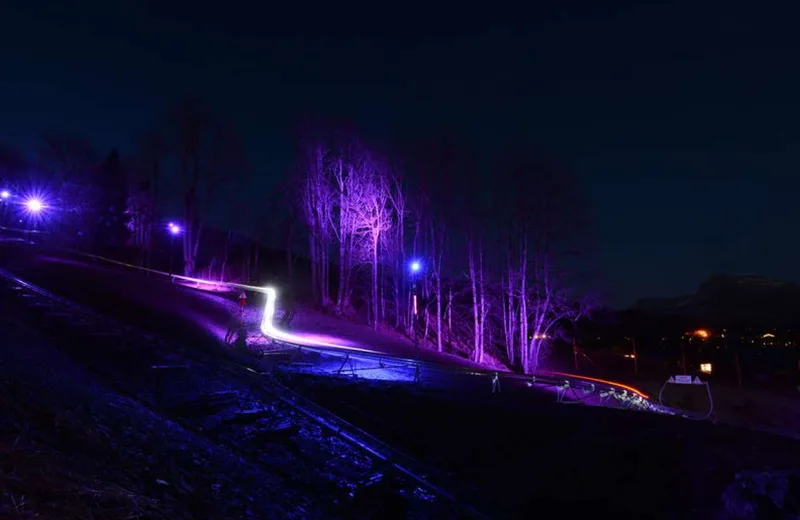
(5,194)
(415,266)
(174,228)
(34,205)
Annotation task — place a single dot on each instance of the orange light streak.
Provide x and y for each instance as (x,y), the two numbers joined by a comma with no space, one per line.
(605,382)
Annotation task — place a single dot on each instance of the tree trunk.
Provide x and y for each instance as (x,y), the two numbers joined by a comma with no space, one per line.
(450,316)
(439,313)
(473,277)
(483,309)
(375,281)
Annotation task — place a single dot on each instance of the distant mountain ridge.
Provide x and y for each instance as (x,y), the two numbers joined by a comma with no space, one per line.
(726,298)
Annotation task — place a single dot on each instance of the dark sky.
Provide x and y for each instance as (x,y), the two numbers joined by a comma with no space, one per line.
(681,118)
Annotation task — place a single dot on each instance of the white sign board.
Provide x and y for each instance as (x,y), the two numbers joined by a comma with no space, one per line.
(685,380)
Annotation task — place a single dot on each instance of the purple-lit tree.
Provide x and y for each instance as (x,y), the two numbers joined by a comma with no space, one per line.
(315,202)
(373,217)
(352,199)
(429,206)
(349,176)
(477,277)
(395,249)
(348,200)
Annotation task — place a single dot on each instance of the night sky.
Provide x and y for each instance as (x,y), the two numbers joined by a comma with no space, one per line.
(681,119)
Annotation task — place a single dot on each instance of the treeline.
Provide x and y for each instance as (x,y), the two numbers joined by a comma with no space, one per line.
(187,159)
(476,263)
(470,266)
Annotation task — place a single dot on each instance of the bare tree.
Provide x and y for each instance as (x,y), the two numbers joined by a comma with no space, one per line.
(315,202)
(69,160)
(374,218)
(396,249)
(350,176)
(147,171)
(209,153)
(549,220)
(68,157)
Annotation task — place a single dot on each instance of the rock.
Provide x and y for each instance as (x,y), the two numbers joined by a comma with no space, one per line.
(763,494)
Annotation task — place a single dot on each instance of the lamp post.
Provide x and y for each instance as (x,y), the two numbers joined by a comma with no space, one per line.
(415,267)
(4,196)
(174,230)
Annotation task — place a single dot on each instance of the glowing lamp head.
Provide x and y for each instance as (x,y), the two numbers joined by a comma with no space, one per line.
(5,194)
(174,228)
(34,205)
(415,266)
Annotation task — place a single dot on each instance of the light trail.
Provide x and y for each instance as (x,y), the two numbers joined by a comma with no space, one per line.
(604,382)
(268,329)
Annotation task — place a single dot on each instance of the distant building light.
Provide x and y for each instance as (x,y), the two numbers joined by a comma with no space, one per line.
(702,333)
(705,368)
(768,335)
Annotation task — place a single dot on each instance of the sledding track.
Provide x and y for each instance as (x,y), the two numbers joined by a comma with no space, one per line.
(102,339)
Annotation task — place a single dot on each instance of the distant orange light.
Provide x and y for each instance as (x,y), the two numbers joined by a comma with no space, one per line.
(702,333)
(605,382)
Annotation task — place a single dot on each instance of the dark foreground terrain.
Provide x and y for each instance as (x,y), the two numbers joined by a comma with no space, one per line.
(102,420)
(90,428)
(527,452)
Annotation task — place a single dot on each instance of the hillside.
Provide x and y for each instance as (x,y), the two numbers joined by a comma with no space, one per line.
(741,299)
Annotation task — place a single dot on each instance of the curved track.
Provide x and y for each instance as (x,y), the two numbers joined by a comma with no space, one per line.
(118,337)
(176,307)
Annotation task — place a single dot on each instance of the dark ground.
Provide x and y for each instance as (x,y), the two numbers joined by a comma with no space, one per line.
(525,451)
(89,429)
(525,455)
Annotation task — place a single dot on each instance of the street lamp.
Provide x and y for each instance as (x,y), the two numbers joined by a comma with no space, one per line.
(5,194)
(34,205)
(415,266)
(174,230)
